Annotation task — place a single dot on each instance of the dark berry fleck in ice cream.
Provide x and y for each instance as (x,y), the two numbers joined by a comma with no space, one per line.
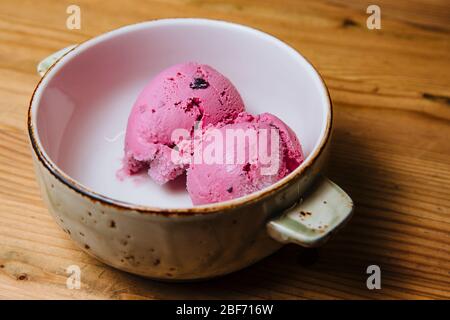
(199,83)
(192,102)
(246,167)
(230,189)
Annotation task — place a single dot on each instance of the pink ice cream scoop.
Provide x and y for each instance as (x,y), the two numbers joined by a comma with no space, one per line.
(278,152)
(176,98)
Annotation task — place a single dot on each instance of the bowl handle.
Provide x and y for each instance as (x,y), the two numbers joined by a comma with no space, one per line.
(310,222)
(46,63)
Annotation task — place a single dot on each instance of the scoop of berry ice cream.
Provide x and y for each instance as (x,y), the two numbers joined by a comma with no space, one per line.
(174,99)
(278,152)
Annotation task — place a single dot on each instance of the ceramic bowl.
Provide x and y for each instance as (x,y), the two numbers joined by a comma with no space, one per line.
(77,119)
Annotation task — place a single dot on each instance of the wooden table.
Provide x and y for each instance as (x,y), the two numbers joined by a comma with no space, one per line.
(391,93)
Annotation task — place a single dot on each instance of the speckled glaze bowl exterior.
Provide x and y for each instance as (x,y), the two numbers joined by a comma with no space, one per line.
(191,243)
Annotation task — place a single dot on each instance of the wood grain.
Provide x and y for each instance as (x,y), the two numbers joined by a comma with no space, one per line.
(391,151)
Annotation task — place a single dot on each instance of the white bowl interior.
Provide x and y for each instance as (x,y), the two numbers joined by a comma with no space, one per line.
(82,106)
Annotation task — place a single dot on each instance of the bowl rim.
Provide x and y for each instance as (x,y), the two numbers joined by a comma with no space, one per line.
(86,192)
